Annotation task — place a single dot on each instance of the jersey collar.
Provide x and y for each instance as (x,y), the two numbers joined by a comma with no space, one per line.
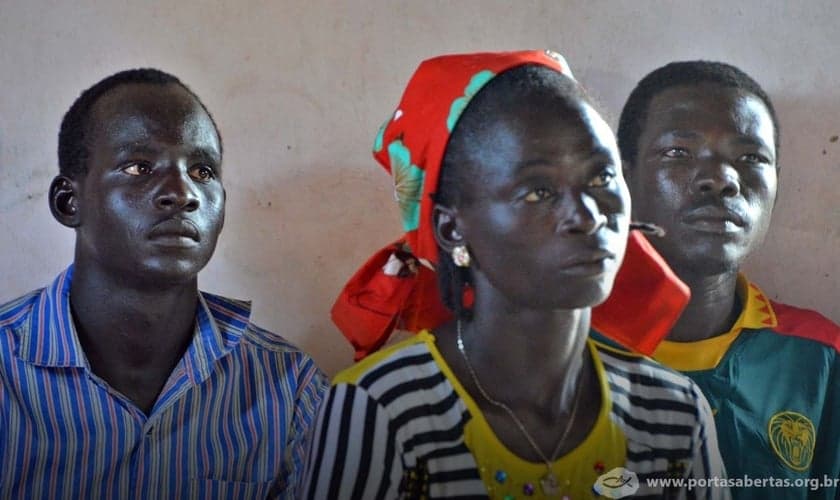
(756,313)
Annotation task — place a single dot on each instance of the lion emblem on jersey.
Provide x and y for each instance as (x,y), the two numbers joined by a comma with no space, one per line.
(792,436)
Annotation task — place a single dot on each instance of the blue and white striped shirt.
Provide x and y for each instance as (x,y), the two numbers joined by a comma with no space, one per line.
(231,421)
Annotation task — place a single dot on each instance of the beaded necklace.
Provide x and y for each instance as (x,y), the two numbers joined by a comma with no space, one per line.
(549,483)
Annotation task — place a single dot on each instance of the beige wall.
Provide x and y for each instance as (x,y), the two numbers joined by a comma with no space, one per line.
(299,88)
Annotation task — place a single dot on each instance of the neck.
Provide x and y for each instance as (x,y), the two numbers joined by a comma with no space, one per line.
(124,330)
(713,307)
(502,339)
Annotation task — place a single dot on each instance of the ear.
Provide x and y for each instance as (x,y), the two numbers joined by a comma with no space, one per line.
(446,225)
(64,201)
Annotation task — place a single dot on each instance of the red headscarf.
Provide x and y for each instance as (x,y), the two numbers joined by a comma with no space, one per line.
(397,287)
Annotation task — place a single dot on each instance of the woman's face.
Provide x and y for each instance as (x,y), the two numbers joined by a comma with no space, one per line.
(547,215)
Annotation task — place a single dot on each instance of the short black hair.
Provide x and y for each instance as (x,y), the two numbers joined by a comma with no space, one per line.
(675,74)
(72,140)
(501,94)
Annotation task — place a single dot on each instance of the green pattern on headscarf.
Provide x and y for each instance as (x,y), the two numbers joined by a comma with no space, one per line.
(460,104)
(408,184)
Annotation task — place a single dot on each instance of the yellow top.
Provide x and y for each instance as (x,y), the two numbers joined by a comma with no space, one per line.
(501,473)
(602,450)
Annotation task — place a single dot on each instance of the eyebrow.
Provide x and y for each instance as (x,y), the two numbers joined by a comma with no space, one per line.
(682,134)
(207,154)
(135,148)
(690,134)
(531,164)
(200,152)
(595,153)
(751,141)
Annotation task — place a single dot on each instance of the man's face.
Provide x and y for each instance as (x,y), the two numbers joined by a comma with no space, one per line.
(151,205)
(706,173)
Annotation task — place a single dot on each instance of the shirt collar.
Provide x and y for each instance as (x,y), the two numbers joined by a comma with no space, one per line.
(756,313)
(49,338)
(220,325)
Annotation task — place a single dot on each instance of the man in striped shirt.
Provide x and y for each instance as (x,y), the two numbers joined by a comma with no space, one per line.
(120,379)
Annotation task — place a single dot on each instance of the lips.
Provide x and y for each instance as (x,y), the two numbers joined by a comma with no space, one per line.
(588,263)
(715,219)
(177,231)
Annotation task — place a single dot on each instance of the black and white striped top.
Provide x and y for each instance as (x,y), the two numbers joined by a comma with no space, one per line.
(400,425)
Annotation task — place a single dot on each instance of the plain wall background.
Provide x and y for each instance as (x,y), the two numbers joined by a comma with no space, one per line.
(299,89)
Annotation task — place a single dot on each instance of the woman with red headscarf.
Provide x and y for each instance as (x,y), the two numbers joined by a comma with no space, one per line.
(517,219)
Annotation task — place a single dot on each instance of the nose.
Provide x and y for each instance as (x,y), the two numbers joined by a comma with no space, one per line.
(580,214)
(176,191)
(717,178)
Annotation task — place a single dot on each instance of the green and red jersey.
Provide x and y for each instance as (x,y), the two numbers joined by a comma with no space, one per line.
(773,382)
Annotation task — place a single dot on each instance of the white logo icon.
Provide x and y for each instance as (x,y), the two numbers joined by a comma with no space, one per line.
(617,483)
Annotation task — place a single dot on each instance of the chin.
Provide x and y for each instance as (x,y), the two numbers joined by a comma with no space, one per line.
(162,274)
(710,267)
(572,297)
(599,295)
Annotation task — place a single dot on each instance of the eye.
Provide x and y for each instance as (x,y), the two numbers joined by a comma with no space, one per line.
(676,153)
(603,179)
(202,173)
(137,169)
(753,158)
(538,194)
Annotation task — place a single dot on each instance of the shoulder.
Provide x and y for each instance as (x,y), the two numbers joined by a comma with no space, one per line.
(234,315)
(399,369)
(806,324)
(15,311)
(644,383)
(405,386)
(639,369)
(262,347)
(660,411)
(264,340)
(17,317)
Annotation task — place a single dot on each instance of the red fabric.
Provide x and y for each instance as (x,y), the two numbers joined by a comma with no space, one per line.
(646,300)
(806,324)
(420,121)
(373,303)
(410,146)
